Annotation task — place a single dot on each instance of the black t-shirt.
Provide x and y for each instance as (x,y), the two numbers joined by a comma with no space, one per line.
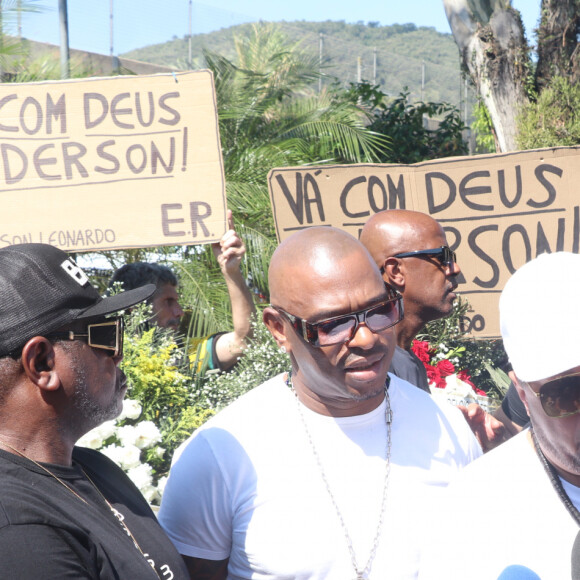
(47,533)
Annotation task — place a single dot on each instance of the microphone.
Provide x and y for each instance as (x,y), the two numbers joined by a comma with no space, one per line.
(517,572)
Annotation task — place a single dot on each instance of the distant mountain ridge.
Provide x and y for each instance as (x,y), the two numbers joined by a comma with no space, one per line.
(401,51)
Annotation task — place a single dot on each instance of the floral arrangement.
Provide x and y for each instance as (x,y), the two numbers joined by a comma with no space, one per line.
(446,378)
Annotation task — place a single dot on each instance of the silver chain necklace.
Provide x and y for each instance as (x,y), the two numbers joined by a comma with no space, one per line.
(363,573)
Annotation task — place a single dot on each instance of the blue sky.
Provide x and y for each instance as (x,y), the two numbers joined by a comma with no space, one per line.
(138,23)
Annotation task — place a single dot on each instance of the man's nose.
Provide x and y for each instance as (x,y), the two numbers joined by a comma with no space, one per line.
(454,268)
(363,337)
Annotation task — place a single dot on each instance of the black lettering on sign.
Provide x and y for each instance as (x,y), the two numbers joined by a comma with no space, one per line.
(374,181)
(433,207)
(474,324)
(454,245)
(391,200)
(139,111)
(31,109)
(506,245)
(539,173)
(166,222)
(107,157)
(465,192)
(502,191)
(396,193)
(197,216)
(116,111)
(156,157)
(176,117)
(9,176)
(93,119)
(478,251)
(71,154)
(57,111)
(40,162)
(346,190)
(542,244)
(129,157)
(302,202)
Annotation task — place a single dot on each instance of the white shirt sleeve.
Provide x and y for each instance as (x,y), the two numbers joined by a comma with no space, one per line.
(196,507)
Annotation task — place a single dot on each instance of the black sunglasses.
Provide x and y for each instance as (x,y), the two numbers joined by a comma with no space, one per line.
(444,255)
(341,329)
(106,335)
(560,397)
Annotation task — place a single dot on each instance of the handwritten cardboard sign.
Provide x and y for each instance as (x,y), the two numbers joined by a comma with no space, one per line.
(111,163)
(498,211)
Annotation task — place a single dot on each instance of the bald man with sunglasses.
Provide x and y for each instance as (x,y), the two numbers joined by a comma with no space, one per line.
(411,250)
(326,471)
(65,511)
(534,478)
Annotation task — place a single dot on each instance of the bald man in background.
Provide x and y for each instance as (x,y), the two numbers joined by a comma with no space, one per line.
(411,250)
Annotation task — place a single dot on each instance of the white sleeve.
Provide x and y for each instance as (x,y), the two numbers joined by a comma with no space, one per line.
(196,508)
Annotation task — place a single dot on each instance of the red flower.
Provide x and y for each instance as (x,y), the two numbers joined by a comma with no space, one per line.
(445,367)
(422,350)
(434,376)
(466,378)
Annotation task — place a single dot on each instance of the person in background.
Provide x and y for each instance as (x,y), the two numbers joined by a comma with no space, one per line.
(325,471)
(411,250)
(220,350)
(66,511)
(534,478)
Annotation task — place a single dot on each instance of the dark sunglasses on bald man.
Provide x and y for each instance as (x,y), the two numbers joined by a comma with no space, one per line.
(106,335)
(444,255)
(341,329)
(560,397)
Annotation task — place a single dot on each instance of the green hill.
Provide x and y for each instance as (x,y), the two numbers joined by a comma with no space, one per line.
(401,50)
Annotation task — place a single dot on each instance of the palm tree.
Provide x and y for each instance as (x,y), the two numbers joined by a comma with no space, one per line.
(270,116)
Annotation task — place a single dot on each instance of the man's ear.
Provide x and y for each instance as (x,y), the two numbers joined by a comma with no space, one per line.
(521,391)
(393,274)
(38,362)
(273,321)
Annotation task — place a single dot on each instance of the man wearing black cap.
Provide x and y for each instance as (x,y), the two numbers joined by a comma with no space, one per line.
(65,511)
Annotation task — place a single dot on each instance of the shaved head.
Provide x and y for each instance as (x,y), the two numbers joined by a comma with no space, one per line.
(394,231)
(427,285)
(310,258)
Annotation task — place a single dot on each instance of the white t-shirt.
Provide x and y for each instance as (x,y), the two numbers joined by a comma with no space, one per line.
(247,486)
(501,512)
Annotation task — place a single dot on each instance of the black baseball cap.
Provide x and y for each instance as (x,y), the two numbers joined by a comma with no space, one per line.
(42,290)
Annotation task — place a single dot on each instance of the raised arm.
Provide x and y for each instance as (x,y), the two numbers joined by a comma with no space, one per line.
(229,253)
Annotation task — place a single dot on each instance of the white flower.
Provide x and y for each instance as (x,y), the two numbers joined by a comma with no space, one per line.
(126,457)
(158,452)
(150,493)
(143,435)
(95,438)
(458,387)
(131,409)
(147,434)
(141,475)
